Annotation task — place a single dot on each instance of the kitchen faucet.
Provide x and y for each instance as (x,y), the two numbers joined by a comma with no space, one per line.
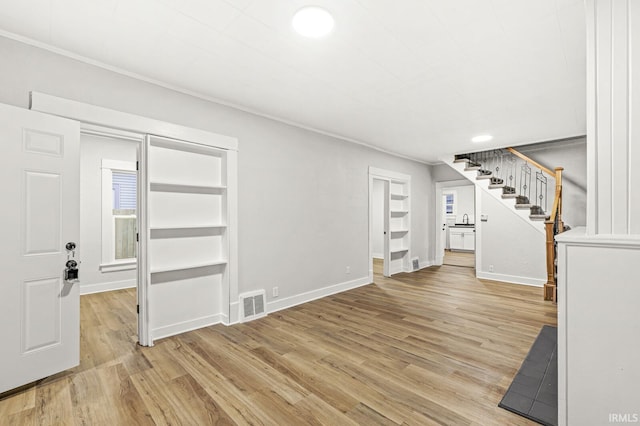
(465,219)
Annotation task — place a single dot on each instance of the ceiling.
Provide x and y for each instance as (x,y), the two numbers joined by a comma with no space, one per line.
(414,77)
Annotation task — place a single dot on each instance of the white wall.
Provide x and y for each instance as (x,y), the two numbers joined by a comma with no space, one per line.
(598,328)
(303,196)
(598,290)
(510,246)
(378,219)
(92,150)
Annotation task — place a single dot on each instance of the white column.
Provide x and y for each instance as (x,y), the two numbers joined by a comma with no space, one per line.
(613,117)
(598,288)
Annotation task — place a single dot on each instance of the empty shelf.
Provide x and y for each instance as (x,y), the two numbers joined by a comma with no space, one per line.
(190,189)
(163,269)
(399,196)
(399,250)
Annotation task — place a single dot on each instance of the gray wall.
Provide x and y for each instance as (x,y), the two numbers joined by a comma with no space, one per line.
(443,173)
(303,196)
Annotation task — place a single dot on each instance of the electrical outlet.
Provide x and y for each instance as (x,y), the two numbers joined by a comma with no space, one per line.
(490,268)
(274,292)
(348,269)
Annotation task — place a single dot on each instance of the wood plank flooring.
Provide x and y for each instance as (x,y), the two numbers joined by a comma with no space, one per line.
(432,347)
(459,258)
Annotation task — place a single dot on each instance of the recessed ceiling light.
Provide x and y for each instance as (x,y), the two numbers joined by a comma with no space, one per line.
(313,22)
(481,138)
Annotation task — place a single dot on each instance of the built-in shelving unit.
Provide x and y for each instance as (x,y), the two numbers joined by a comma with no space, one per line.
(187,237)
(399,226)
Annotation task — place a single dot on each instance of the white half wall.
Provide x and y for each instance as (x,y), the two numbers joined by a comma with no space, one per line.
(598,328)
(511,249)
(93,149)
(378,219)
(303,196)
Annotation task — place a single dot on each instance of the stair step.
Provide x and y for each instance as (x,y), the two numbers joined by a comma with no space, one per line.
(505,196)
(538,217)
(523,206)
(461,160)
(483,177)
(472,168)
(497,185)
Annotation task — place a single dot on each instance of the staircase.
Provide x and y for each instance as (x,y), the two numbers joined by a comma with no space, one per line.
(532,190)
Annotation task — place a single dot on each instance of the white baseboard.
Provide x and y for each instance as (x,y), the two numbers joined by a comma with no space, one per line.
(183,327)
(289,302)
(512,279)
(234,314)
(113,285)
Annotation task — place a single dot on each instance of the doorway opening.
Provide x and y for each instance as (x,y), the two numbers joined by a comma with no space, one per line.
(108,230)
(378,233)
(389,222)
(456,232)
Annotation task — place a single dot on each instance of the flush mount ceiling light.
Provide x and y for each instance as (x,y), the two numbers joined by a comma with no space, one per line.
(313,22)
(481,138)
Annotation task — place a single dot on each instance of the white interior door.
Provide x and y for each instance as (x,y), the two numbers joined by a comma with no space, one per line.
(185,235)
(39,310)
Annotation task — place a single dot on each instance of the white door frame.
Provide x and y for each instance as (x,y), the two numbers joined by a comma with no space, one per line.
(385,175)
(91,116)
(439,257)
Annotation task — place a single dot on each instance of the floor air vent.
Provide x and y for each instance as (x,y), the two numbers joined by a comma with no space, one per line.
(416,263)
(252,305)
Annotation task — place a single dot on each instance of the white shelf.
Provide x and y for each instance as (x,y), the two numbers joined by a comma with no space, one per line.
(398,231)
(399,196)
(401,250)
(399,212)
(192,189)
(185,267)
(186,228)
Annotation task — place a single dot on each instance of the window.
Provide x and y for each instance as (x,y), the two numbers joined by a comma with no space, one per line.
(119,220)
(449,203)
(123,184)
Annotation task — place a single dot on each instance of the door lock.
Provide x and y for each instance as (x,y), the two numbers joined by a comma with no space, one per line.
(71,248)
(71,271)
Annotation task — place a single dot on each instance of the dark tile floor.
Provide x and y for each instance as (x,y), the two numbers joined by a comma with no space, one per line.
(534,390)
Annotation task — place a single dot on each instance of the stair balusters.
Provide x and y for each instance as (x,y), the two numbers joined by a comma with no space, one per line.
(538,210)
(524,192)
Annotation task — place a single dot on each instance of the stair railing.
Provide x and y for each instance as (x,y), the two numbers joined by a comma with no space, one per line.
(553,225)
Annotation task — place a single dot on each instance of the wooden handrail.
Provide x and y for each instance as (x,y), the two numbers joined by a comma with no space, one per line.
(532,162)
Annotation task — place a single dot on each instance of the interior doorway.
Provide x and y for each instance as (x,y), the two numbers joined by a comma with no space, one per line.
(456,232)
(108,246)
(378,231)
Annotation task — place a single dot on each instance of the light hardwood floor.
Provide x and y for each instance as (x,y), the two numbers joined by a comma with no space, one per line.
(459,258)
(432,347)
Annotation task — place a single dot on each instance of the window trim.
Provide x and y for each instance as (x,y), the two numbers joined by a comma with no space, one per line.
(109,263)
